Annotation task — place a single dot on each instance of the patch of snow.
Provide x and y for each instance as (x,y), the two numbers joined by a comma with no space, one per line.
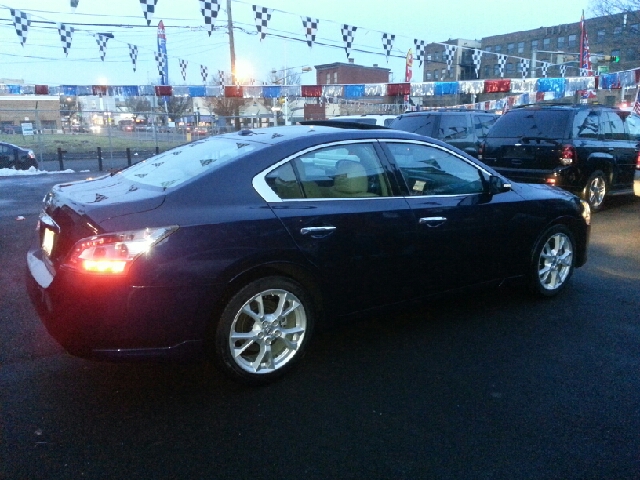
(10,172)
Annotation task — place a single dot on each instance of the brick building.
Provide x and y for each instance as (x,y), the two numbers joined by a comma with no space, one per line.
(612,36)
(350,73)
(15,110)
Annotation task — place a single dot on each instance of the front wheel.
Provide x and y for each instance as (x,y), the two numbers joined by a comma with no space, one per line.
(553,261)
(595,191)
(264,330)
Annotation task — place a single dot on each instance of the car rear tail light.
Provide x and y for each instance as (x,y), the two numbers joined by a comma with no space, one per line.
(481,151)
(638,160)
(551,181)
(568,155)
(113,253)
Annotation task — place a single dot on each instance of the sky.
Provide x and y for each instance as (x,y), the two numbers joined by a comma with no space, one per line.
(41,59)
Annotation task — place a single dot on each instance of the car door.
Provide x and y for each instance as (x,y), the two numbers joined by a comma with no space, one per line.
(462,232)
(5,156)
(617,142)
(337,203)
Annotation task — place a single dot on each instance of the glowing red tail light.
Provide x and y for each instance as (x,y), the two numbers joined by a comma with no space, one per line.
(568,155)
(638,160)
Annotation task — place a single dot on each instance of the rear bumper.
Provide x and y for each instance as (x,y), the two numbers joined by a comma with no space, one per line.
(104,319)
(568,178)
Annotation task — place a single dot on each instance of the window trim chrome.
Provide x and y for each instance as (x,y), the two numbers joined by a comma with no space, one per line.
(260,185)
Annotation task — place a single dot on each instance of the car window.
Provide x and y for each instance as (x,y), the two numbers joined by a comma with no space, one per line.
(585,124)
(633,125)
(345,171)
(284,183)
(429,170)
(524,122)
(420,124)
(180,164)
(612,126)
(482,124)
(453,127)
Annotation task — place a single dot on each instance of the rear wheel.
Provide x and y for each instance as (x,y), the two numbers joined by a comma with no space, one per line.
(595,190)
(264,330)
(553,261)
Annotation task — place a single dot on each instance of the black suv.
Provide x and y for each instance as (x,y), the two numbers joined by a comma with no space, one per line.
(13,156)
(463,128)
(590,150)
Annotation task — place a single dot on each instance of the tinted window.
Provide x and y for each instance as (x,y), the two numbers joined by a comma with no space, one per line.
(633,125)
(421,124)
(612,126)
(531,123)
(430,170)
(585,124)
(178,165)
(453,127)
(482,124)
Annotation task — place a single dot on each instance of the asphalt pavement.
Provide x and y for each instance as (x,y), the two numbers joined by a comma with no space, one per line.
(491,384)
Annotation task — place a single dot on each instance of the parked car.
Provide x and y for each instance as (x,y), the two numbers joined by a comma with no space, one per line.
(236,245)
(590,150)
(13,156)
(80,129)
(382,120)
(464,129)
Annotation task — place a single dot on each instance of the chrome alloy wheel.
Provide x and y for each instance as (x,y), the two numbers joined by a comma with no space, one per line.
(596,191)
(555,262)
(267,331)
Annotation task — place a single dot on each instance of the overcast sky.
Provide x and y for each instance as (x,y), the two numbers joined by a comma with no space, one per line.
(42,61)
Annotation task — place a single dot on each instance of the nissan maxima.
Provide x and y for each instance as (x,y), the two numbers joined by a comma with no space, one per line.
(235,246)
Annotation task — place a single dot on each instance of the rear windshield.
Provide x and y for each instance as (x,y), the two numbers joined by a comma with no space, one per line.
(420,124)
(531,123)
(180,164)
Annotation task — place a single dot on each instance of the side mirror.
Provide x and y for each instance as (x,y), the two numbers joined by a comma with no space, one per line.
(496,185)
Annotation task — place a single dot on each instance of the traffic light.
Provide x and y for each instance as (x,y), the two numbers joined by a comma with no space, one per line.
(612,58)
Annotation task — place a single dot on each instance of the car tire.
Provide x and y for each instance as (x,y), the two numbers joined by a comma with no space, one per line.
(595,190)
(553,261)
(264,330)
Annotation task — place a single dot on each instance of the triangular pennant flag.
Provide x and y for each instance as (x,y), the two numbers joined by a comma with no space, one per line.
(311,28)
(262,17)
(524,66)
(204,72)
(563,70)
(502,60)
(101,40)
(160,59)
(74,5)
(419,49)
(21,22)
(477,60)
(65,33)
(148,9)
(449,52)
(387,43)
(221,77)
(347,37)
(545,67)
(133,53)
(209,9)
(183,69)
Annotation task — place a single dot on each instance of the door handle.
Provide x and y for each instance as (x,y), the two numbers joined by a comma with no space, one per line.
(308,230)
(432,221)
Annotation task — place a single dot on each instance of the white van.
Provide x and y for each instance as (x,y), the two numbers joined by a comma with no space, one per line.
(382,120)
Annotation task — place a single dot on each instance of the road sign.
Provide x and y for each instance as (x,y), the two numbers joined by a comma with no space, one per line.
(603,68)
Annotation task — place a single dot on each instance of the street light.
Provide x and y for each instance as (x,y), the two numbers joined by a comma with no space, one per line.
(285,105)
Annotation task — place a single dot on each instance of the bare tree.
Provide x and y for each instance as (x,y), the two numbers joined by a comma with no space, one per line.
(284,76)
(602,8)
(178,106)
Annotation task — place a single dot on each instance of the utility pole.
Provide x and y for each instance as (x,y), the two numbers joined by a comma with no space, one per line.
(232,54)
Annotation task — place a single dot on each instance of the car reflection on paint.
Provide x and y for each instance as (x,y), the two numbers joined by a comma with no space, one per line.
(235,246)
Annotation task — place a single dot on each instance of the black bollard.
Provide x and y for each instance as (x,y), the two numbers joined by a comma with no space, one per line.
(60,161)
(157,150)
(99,158)
(128,156)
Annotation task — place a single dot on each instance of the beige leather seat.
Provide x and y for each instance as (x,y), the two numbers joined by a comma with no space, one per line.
(350,181)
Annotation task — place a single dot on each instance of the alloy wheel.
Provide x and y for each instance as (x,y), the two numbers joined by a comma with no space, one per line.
(555,262)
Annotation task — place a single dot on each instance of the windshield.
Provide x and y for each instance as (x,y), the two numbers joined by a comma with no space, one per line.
(531,123)
(180,164)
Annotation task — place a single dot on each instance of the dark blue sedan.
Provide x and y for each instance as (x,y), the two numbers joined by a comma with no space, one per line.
(235,246)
